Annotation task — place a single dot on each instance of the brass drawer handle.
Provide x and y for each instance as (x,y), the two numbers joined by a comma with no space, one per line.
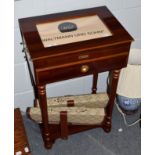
(84,68)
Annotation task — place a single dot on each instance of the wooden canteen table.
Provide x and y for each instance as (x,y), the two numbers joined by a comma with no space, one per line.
(73,44)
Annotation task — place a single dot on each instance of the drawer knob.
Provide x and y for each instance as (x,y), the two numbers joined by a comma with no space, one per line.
(84,68)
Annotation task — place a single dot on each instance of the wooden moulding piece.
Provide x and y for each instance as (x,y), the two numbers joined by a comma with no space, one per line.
(63,124)
(70,103)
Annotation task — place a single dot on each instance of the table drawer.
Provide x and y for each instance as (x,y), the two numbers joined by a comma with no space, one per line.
(80,57)
(63,73)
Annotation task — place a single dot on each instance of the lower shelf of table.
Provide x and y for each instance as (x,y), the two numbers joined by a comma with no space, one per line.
(55,130)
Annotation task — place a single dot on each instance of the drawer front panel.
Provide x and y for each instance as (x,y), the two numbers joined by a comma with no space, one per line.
(81,57)
(64,73)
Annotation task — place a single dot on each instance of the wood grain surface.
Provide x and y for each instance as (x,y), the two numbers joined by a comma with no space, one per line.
(20,139)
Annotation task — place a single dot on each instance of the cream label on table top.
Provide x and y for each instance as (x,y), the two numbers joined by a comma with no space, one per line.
(87,28)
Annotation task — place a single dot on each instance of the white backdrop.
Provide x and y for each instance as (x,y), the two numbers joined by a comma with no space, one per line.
(126,11)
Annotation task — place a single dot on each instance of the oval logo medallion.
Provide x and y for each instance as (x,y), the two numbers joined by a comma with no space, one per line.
(67,27)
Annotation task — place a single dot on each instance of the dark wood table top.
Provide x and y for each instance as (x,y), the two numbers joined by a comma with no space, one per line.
(20,139)
(37,51)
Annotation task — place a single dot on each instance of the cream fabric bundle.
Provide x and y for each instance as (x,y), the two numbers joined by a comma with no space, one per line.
(75,115)
(99,100)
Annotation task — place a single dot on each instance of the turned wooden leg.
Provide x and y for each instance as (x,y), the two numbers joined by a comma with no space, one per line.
(114,76)
(44,113)
(36,95)
(95,78)
(35,103)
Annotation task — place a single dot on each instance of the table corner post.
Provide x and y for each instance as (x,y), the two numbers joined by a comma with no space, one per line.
(113,81)
(44,114)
